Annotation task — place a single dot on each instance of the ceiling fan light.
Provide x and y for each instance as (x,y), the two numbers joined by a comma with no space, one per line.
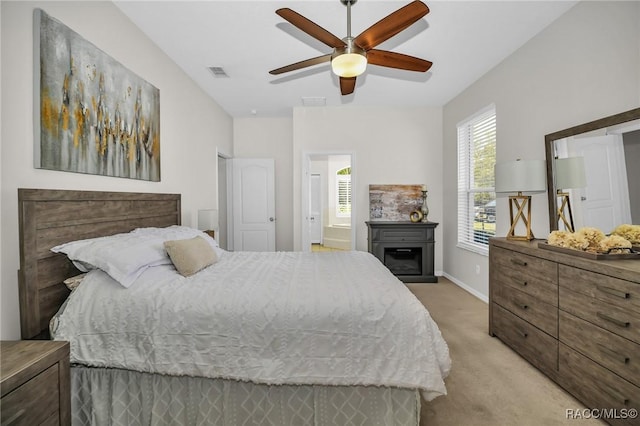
(349,64)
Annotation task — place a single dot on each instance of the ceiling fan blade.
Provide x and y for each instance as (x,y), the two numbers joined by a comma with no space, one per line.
(302,64)
(391,25)
(310,27)
(347,85)
(401,61)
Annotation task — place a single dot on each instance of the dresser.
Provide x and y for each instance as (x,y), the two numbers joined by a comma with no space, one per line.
(35,383)
(406,248)
(575,319)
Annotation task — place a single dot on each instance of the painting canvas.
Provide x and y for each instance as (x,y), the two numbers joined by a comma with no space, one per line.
(92,115)
(393,202)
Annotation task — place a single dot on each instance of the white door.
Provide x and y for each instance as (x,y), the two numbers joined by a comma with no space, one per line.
(605,200)
(253,187)
(315,209)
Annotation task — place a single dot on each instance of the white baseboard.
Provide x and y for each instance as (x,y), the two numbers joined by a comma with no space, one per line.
(465,287)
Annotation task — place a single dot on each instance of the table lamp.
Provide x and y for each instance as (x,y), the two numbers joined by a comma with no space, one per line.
(569,174)
(524,177)
(208,221)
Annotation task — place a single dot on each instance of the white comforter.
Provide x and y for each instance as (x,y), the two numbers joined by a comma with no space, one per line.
(274,318)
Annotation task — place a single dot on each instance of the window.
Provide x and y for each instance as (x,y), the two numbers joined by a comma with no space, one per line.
(476,184)
(343,192)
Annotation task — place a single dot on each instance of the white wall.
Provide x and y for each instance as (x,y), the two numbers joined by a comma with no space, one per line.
(389,146)
(192,125)
(261,137)
(584,66)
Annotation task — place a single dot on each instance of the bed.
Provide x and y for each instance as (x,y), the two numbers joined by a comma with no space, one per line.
(329,369)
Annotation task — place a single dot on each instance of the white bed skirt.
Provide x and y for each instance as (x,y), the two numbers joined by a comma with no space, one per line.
(102,396)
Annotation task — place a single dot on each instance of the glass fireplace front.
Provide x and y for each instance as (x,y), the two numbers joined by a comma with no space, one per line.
(403,261)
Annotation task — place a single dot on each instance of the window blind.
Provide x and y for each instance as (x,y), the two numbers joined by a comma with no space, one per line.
(476,184)
(343,208)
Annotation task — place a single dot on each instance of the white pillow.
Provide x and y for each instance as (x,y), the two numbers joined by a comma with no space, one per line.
(178,232)
(123,256)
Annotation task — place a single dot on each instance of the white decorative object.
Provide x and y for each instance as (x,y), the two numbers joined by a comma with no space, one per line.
(208,220)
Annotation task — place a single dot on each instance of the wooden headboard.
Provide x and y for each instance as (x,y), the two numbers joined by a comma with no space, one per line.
(51,217)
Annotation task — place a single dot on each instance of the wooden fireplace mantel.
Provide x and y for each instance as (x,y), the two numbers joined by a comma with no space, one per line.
(389,241)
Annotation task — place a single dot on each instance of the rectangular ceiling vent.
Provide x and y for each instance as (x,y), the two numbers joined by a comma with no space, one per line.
(218,72)
(314,101)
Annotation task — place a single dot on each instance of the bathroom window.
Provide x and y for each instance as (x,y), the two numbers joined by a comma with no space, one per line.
(343,192)
(476,183)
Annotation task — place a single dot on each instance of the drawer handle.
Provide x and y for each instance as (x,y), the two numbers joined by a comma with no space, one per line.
(523,334)
(613,292)
(616,321)
(613,354)
(14,418)
(614,393)
(518,262)
(524,284)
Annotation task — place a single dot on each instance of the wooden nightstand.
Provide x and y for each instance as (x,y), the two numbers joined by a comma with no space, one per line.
(35,383)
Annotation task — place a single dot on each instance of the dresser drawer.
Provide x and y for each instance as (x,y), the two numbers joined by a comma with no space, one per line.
(542,315)
(404,233)
(35,402)
(595,386)
(523,265)
(621,293)
(612,317)
(616,353)
(538,288)
(535,346)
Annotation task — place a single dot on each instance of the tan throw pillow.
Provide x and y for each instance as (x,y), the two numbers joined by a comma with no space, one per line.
(191,255)
(73,282)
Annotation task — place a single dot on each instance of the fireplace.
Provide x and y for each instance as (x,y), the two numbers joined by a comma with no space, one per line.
(405,248)
(403,260)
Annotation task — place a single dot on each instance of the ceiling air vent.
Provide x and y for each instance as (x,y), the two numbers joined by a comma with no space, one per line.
(314,101)
(218,72)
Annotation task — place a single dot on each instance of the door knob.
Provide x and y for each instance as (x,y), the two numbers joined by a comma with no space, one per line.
(271,219)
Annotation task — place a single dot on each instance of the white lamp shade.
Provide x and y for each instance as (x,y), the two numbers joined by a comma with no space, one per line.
(207,220)
(521,176)
(349,64)
(570,173)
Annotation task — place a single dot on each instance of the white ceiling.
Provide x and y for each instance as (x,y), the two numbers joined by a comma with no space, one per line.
(463,39)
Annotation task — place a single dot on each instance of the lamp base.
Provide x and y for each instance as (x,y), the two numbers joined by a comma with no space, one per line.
(520,202)
(565,202)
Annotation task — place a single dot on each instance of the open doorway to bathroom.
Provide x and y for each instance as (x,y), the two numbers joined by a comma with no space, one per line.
(330,207)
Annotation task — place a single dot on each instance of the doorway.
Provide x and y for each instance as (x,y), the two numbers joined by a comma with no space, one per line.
(327,205)
(222,232)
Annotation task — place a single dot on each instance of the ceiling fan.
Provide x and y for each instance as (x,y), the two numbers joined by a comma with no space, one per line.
(351,54)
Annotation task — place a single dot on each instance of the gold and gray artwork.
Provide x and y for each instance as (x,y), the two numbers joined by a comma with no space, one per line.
(95,115)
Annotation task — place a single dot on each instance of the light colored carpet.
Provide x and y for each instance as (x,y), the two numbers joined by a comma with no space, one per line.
(489,383)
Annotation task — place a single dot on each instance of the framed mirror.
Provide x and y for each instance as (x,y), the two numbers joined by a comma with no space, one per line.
(593,173)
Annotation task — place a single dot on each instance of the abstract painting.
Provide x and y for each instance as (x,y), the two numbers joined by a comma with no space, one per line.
(92,115)
(393,203)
